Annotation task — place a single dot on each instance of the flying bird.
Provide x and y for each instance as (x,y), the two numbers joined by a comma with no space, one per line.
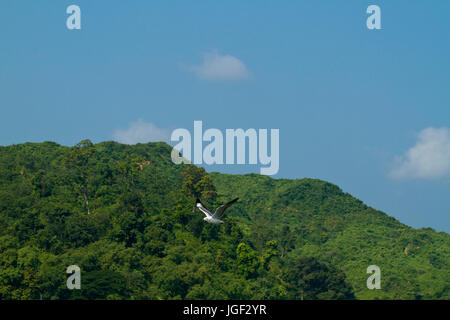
(214,217)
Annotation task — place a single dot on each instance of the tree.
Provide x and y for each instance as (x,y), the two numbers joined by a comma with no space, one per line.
(77,160)
(198,184)
(307,278)
(261,233)
(270,250)
(247,260)
(287,240)
(128,170)
(101,284)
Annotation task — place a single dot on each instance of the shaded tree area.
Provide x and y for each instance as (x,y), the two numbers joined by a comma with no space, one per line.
(307,278)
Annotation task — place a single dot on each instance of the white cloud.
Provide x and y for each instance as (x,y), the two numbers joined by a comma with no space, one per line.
(220,67)
(428,159)
(140,132)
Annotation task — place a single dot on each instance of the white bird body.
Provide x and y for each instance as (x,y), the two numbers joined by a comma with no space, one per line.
(212,220)
(214,217)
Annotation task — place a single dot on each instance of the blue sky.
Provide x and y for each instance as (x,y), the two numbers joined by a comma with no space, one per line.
(368,110)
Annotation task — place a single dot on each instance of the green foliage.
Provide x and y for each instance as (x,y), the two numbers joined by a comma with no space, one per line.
(314,218)
(247,261)
(309,279)
(198,184)
(124,215)
(101,284)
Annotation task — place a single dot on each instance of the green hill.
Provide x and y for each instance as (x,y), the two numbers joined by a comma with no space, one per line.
(343,231)
(124,215)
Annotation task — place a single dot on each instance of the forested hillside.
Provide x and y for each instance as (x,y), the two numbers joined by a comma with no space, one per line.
(124,215)
(340,229)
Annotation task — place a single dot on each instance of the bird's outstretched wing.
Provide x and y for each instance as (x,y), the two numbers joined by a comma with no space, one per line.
(202,208)
(220,210)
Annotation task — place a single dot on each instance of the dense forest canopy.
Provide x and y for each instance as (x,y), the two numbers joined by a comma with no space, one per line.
(124,215)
